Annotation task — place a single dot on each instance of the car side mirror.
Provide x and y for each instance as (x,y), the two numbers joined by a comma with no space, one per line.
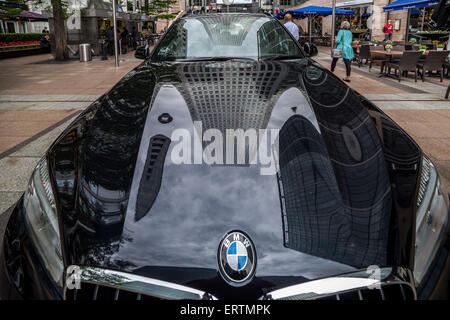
(142,52)
(310,49)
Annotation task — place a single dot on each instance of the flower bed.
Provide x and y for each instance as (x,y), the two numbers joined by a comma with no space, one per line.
(20,37)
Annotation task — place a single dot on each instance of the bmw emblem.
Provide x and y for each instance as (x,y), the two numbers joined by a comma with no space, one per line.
(237,258)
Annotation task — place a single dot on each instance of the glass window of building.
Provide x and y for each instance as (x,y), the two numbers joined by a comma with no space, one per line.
(285,2)
(418,20)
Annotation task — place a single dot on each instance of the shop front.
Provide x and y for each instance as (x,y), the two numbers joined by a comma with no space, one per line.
(24,22)
(92,21)
(361,20)
(418,15)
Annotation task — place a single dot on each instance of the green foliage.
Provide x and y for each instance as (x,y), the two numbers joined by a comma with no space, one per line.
(388,46)
(161,9)
(129,6)
(10,12)
(413,40)
(20,4)
(440,45)
(15,37)
(67,12)
(374,41)
(433,32)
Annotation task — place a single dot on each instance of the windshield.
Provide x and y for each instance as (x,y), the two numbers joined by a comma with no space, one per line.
(226,36)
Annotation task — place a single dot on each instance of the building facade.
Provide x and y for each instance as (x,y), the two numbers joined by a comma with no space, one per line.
(369,15)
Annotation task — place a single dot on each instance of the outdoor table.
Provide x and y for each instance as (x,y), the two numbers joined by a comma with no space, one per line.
(392,54)
(389,55)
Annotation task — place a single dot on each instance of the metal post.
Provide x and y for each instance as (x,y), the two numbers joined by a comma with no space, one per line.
(423,19)
(116,56)
(333,24)
(310,27)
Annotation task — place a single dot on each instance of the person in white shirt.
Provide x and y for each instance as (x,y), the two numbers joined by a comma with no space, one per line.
(292,27)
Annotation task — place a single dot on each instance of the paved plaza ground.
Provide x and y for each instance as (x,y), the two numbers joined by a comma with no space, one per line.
(39,97)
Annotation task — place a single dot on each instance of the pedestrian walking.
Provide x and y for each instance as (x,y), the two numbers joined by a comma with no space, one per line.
(134,37)
(344,43)
(124,40)
(388,30)
(292,27)
(111,40)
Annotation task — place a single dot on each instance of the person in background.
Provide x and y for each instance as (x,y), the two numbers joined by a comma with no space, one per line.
(134,37)
(124,40)
(111,40)
(292,27)
(45,42)
(388,30)
(344,43)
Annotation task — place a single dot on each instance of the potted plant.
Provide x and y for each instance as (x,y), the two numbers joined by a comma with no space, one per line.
(375,42)
(412,40)
(423,48)
(388,47)
(440,47)
(355,43)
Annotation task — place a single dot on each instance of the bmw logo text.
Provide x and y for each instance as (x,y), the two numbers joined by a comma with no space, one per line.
(237,258)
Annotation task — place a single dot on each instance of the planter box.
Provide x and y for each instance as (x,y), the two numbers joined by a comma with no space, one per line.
(22,47)
(5,54)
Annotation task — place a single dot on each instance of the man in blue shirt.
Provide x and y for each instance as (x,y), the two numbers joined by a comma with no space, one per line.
(292,27)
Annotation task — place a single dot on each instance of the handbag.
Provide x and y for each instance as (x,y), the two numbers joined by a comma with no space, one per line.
(337,53)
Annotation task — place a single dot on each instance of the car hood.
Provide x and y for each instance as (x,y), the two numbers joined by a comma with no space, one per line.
(127,203)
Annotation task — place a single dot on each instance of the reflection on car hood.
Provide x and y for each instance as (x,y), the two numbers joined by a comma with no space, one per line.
(127,205)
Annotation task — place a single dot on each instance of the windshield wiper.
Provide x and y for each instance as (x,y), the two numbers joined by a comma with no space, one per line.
(282,57)
(215,59)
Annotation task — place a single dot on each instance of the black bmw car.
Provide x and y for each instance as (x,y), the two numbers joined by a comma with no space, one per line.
(229,165)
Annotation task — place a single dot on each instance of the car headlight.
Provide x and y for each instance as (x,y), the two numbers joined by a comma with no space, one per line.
(42,222)
(431,218)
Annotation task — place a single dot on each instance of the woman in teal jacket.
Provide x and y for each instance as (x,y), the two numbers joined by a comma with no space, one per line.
(344,43)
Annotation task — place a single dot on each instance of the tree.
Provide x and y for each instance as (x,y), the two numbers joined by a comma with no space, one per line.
(161,9)
(129,6)
(13,8)
(59,9)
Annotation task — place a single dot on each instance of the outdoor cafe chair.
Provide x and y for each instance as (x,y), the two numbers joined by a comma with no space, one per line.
(364,53)
(398,47)
(434,61)
(408,62)
(446,67)
(377,57)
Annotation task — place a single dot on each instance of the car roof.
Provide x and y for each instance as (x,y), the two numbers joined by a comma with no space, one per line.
(216,14)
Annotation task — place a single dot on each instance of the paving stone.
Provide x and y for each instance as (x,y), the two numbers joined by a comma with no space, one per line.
(7,199)
(15,172)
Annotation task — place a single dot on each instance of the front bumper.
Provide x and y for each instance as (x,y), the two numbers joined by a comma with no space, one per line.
(17,249)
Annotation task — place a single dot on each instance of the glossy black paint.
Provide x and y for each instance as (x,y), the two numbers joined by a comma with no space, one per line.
(343,198)
(99,162)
